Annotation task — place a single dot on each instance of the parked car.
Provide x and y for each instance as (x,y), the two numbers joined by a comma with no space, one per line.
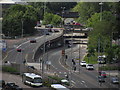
(115,80)
(103,73)
(89,67)
(101,79)
(83,63)
(33,41)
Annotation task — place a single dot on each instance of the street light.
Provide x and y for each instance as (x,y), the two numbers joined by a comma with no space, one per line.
(22,28)
(101,10)
(62,16)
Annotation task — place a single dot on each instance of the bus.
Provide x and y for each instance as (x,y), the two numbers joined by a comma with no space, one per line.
(32,79)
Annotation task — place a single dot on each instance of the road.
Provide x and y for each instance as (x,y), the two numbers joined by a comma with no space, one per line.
(84,79)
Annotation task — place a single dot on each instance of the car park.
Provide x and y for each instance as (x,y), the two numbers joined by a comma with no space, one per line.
(83,63)
(89,67)
(115,80)
(101,79)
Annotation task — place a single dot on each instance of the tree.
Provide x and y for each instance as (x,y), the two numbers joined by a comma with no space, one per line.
(50,18)
(13,18)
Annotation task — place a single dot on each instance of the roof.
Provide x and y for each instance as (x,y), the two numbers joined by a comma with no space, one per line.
(7,2)
(32,75)
(59,87)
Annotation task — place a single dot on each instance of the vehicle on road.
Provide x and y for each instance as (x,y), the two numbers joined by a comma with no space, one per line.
(12,86)
(33,41)
(56,30)
(101,79)
(102,59)
(69,45)
(115,80)
(83,63)
(19,50)
(103,73)
(89,67)
(32,79)
(2,83)
(59,87)
(49,26)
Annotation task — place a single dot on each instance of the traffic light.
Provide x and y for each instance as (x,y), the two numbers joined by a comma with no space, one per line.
(66,56)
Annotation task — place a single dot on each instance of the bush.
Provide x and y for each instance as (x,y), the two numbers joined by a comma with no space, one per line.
(9,69)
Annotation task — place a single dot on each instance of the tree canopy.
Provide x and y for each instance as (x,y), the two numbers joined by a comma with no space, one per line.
(15,16)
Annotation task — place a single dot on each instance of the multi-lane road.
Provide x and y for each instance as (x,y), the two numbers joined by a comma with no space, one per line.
(82,79)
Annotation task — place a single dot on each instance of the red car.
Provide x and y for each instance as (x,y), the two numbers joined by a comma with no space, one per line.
(19,50)
(33,41)
(103,73)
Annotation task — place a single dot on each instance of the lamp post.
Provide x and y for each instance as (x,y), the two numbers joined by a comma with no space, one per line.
(62,16)
(101,10)
(22,28)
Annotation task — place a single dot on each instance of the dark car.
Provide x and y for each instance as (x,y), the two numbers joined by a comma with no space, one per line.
(2,83)
(115,80)
(49,26)
(16,87)
(9,85)
(56,30)
(12,86)
(101,79)
(31,67)
(19,49)
(33,41)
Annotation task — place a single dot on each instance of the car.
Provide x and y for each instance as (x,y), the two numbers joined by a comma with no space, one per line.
(83,63)
(2,83)
(33,41)
(56,30)
(69,45)
(49,26)
(47,33)
(19,49)
(115,80)
(103,73)
(16,87)
(89,67)
(31,67)
(101,79)
(12,86)
(9,85)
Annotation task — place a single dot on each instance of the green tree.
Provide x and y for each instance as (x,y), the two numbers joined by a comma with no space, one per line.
(50,18)
(15,15)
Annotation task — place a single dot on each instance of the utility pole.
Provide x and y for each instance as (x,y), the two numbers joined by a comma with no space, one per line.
(101,10)
(79,58)
(22,28)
